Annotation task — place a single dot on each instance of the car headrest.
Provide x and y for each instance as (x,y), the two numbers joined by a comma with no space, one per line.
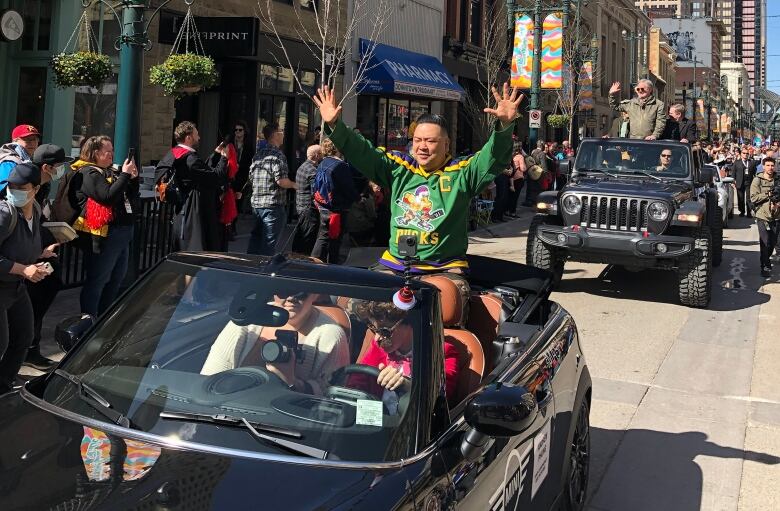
(451,298)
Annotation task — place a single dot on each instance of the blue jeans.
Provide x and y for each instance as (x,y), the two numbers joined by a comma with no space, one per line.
(106,270)
(269,223)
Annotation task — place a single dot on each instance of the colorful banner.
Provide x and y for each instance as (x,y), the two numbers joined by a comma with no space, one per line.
(701,120)
(522,52)
(552,52)
(586,87)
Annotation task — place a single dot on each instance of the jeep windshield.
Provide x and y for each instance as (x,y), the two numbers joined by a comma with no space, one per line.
(194,354)
(626,157)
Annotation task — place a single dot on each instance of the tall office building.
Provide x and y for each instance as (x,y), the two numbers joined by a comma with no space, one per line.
(679,8)
(745,22)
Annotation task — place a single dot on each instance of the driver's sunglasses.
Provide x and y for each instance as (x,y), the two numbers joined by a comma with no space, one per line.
(666,156)
(297,297)
(237,130)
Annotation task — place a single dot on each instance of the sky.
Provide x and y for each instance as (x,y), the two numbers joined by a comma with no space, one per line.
(773,46)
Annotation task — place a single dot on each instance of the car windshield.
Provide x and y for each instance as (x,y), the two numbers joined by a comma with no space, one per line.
(194,353)
(626,157)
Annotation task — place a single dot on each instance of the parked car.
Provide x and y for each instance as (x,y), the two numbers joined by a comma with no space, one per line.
(131,419)
(635,203)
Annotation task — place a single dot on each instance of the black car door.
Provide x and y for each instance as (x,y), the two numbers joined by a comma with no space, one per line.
(524,471)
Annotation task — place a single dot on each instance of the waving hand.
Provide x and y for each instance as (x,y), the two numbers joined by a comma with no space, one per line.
(325,100)
(506,104)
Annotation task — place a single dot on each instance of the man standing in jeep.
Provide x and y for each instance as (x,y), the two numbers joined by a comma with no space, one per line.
(767,212)
(646,114)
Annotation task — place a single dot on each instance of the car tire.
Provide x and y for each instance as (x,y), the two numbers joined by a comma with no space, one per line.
(539,255)
(717,238)
(694,273)
(576,490)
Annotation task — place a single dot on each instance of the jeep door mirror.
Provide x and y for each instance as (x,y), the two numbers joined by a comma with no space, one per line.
(706,175)
(502,410)
(69,331)
(564,167)
(727,180)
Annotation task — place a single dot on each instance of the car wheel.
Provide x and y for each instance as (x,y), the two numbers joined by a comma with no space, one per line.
(694,274)
(717,238)
(579,462)
(539,255)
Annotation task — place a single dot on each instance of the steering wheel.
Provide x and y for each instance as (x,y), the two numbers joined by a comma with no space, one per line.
(342,392)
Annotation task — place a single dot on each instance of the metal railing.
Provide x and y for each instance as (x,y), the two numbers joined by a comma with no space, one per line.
(152,241)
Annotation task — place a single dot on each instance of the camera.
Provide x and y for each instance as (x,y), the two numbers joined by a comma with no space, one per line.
(407,246)
(774,197)
(279,350)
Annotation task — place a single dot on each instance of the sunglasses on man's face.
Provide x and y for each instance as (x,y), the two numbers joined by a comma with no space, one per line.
(641,89)
(666,156)
(238,129)
(383,332)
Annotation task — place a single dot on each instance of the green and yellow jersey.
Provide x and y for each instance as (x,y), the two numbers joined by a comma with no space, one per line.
(432,204)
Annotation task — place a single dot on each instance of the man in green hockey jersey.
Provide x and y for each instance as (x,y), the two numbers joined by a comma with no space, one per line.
(430,191)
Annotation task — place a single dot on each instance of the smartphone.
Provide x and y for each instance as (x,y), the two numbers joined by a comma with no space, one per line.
(287,337)
(131,154)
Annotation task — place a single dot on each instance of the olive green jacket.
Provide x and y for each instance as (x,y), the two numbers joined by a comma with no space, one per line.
(760,190)
(645,117)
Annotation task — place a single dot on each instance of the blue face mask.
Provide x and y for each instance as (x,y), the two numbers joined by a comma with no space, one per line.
(18,198)
(59,172)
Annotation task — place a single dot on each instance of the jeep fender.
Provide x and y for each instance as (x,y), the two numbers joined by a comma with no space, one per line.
(689,214)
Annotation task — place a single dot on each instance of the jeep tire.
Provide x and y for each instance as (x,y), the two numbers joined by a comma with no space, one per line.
(717,238)
(694,273)
(539,255)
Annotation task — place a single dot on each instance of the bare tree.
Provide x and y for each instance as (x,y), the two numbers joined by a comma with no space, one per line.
(328,32)
(491,69)
(575,53)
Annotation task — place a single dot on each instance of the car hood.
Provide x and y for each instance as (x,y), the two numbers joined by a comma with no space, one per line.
(651,188)
(47,461)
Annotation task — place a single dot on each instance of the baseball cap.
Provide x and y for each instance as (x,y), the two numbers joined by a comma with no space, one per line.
(24,130)
(24,173)
(50,154)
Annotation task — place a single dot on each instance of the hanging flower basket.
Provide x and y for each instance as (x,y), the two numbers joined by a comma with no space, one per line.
(185,73)
(558,120)
(81,68)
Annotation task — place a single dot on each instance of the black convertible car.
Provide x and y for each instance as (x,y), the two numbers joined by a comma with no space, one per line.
(191,392)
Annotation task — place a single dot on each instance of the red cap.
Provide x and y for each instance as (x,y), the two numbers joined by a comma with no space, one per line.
(24,130)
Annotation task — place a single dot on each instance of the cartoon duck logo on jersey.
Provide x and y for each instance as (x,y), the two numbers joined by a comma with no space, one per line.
(418,209)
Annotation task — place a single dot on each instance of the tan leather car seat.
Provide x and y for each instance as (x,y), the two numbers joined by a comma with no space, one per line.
(472,356)
(484,317)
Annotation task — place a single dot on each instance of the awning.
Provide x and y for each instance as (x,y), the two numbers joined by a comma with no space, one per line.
(396,71)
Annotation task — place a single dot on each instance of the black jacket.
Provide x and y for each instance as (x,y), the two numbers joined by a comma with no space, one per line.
(244,162)
(741,180)
(95,186)
(682,129)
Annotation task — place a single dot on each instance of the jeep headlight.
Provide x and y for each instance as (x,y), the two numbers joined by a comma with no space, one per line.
(572,205)
(658,211)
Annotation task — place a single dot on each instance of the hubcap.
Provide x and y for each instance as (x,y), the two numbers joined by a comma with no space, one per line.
(579,461)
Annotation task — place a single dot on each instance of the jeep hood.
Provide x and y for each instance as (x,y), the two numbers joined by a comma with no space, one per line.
(650,188)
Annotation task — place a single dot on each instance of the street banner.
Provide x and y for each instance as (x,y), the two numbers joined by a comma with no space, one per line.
(522,52)
(701,120)
(586,87)
(552,52)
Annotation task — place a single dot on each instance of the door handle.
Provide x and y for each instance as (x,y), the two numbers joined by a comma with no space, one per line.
(543,397)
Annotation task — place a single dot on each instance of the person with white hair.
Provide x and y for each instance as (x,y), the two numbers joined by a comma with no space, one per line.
(308,216)
(646,113)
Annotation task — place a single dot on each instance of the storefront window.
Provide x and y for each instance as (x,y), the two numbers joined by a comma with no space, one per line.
(367,117)
(37,24)
(285,81)
(32,94)
(397,124)
(417,109)
(267,77)
(381,118)
(94,112)
(308,82)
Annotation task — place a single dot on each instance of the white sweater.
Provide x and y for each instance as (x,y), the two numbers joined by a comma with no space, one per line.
(325,350)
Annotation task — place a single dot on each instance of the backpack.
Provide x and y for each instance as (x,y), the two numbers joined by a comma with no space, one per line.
(65,207)
(168,188)
(323,187)
(15,217)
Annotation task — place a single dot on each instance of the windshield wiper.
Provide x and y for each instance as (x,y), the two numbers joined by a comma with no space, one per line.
(597,170)
(255,428)
(93,398)
(644,172)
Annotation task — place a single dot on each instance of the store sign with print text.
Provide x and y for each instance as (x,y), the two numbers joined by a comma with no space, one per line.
(220,36)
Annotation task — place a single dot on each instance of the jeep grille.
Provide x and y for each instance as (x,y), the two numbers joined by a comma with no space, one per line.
(613,213)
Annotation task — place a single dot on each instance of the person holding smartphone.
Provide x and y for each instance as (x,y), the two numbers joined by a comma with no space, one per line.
(108,199)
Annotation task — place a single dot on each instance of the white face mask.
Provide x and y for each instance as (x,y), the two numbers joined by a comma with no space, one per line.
(18,198)
(59,171)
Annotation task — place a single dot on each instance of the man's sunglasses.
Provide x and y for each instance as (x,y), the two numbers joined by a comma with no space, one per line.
(640,89)
(666,156)
(238,129)
(383,332)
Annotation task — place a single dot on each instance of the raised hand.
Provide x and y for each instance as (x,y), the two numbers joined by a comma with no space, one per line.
(325,100)
(506,104)
(615,89)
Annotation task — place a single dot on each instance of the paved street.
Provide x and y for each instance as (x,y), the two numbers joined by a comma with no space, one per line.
(686,411)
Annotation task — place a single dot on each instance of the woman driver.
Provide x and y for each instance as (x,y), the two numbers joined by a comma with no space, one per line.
(391,350)
(323,344)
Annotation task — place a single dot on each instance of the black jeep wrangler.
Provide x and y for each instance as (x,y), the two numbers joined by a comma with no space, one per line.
(635,203)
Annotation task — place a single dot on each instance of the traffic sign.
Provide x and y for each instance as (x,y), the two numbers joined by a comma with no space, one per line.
(535,119)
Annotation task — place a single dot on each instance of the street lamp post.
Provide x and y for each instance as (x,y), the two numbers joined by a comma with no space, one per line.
(132,42)
(632,38)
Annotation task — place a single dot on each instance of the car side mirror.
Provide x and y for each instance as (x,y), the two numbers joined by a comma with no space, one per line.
(564,167)
(69,331)
(502,410)
(706,176)
(727,180)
